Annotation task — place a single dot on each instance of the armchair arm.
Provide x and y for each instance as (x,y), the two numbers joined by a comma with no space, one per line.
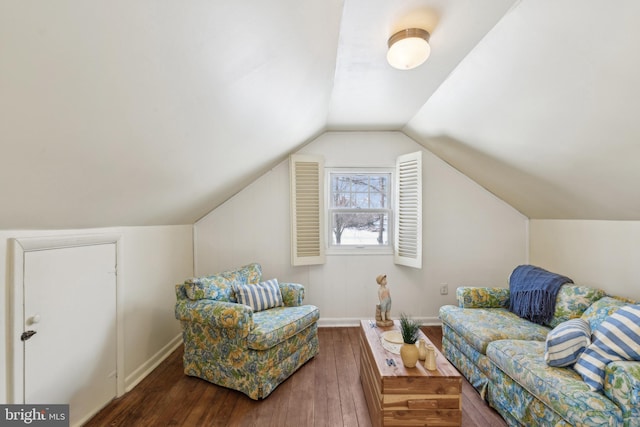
(292,294)
(482,297)
(217,314)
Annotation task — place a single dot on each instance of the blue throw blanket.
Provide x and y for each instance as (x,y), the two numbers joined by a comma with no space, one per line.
(533,292)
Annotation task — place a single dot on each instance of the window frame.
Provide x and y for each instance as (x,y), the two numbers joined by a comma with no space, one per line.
(344,249)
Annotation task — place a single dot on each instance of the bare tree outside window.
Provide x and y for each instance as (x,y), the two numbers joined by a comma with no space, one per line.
(359,208)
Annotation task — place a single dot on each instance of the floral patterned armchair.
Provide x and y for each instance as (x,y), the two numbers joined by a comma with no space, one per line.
(232,344)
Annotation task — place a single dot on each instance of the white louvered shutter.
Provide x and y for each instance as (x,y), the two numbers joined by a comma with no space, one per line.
(307,209)
(408,219)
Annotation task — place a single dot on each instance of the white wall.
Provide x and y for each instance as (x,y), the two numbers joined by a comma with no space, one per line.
(470,236)
(155,259)
(603,254)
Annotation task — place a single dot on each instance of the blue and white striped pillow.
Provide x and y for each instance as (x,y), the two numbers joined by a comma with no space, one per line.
(566,342)
(617,338)
(260,296)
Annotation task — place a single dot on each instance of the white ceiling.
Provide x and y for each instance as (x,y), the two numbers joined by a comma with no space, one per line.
(544,111)
(147,112)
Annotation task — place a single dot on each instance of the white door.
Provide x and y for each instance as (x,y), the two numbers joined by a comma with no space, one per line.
(70,304)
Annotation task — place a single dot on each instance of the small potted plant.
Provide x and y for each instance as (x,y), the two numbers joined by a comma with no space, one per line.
(410,330)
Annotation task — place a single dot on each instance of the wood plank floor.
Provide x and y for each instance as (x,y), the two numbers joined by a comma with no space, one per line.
(324,392)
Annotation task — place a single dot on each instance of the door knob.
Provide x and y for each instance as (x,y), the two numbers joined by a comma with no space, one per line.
(33,319)
(26,335)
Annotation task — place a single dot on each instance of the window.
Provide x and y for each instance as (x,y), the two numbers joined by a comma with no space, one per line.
(359,209)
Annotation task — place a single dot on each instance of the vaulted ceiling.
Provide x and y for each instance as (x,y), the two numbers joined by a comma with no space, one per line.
(147,112)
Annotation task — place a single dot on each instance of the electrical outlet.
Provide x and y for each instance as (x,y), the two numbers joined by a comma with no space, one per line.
(444,289)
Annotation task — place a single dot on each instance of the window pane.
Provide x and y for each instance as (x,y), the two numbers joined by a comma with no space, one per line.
(361,200)
(340,191)
(360,183)
(341,200)
(359,228)
(360,191)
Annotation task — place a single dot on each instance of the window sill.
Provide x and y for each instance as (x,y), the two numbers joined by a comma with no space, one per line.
(359,251)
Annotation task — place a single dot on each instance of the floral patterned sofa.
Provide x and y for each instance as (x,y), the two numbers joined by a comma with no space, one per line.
(238,344)
(503,357)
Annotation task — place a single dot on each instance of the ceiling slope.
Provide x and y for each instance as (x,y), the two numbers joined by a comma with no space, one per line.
(146,112)
(543,112)
(154,113)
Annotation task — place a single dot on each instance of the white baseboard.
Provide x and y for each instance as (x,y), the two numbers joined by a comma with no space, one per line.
(146,368)
(350,322)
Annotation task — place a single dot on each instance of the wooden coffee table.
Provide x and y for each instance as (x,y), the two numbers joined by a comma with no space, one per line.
(399,396)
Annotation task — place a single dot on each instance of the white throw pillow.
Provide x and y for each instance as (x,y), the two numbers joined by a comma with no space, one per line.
(566,342)
(617,338)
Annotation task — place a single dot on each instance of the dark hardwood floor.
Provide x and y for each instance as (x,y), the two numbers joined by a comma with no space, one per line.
(324,392)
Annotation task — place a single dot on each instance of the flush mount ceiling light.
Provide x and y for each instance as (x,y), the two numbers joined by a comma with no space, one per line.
(408,48)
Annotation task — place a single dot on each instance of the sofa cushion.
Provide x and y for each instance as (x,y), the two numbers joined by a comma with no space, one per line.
(519,407)
(622,385)
(214,288)
(617,338)
(275,325)
(561,389)
(260,296)
(572,301)
(566,342)
(219,286)
(600,310)
(480,326)
(250,273)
